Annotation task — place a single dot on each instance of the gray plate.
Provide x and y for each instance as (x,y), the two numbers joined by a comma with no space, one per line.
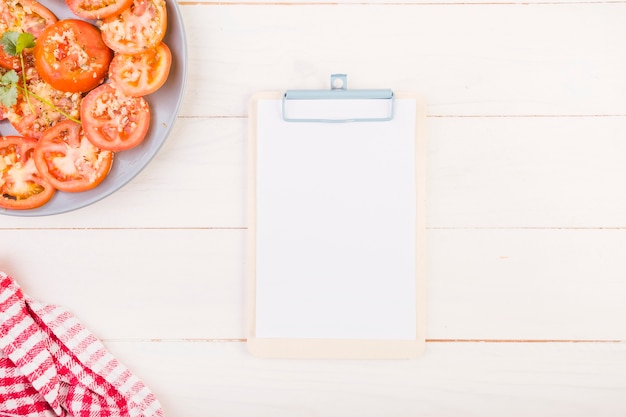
(164,106)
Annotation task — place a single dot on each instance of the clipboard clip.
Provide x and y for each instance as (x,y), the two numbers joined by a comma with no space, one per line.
(373,105)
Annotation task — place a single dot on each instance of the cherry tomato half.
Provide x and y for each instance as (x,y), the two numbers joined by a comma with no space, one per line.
(140,27)
(22,16)
(21,185)
(71,56)
(141,74)
(68,160)
(94,9)
(112,120)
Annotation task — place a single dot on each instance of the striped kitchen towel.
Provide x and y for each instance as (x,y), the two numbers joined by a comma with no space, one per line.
(50,365)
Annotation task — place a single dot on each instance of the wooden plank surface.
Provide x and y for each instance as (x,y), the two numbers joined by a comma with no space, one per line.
(494,284)
(484,379)
(484,172)
(486,59)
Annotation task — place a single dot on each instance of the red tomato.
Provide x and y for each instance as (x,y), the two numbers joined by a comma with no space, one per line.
(141,74)
(8,61)
(139,28)
(114,121)
(21,185)
(67,160)
(90,9)
(32,117)
(70,56)
(22,16)
(28,16)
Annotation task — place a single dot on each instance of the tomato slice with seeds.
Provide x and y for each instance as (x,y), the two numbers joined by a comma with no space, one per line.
(97,9)
(31,117)
(140,27)
(68,160)
(71,56)
(112,120)
(141,74)
(21,186)
(25,16)
(22,16)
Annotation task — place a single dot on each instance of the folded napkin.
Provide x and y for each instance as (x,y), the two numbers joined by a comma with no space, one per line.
(50,365)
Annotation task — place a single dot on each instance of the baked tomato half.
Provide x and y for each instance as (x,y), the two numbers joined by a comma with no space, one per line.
(22,16)
(140,27)
(68,160)
(97,9)
(141,74)
(21,186)
(112,120)
(71,56)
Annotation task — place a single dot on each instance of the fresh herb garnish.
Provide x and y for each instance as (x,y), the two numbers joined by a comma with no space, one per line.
(8,89)
(14,44)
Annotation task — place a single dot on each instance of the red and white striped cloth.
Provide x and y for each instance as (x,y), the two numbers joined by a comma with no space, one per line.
(50,365)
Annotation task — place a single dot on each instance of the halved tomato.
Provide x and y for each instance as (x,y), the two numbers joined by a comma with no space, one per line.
(71,56)
(22,16)
(97,9)
(112,120)
(140,27)
(68,160)
(21,185)
(141,74)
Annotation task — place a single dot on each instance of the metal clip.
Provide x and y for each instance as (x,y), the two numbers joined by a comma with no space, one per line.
(385,104)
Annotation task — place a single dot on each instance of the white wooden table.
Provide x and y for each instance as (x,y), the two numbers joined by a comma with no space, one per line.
(526,213)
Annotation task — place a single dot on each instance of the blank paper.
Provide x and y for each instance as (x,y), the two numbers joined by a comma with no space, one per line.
(336,225)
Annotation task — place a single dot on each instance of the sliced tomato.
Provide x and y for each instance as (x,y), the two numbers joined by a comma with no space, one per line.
(21,185)
(31,117)
(141,74)
(112,120)
(68,160)
(71,56)
(22,16)
(97,9)
(140,27)
(28,16)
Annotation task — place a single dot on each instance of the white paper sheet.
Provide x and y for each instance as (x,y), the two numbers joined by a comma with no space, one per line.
(336,227)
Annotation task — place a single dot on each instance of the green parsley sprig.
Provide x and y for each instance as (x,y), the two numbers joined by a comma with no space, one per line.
(14,44)
(8,89)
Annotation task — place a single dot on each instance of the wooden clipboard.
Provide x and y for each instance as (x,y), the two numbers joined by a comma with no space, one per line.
(337,240)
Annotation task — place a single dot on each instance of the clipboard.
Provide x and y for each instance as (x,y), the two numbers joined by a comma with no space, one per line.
(337,238)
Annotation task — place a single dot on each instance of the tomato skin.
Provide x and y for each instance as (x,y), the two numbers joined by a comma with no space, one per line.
(27,16)
(9,62)
(141,74)
(137,29)
(68,160)
(21,185)
(79,62)
(88,10)
(113,121)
